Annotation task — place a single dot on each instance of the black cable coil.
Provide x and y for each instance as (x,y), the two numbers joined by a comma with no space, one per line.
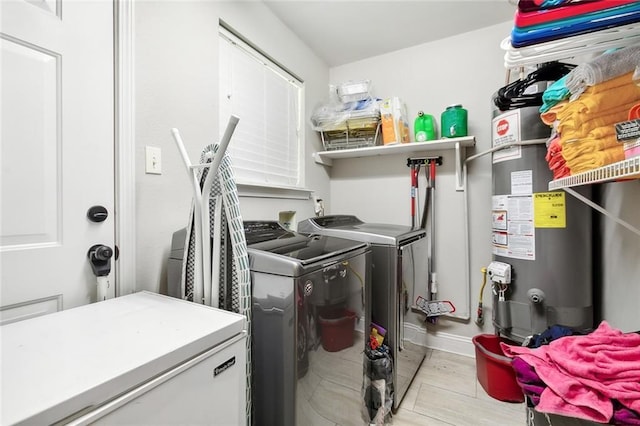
(513,96)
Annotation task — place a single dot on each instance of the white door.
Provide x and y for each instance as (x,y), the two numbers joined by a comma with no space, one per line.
(57,151)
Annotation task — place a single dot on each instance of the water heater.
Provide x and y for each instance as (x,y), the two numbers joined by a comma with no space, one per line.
(541,240)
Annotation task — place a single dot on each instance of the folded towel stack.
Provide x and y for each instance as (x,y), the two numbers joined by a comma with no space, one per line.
(537,22)
(585,124)
(618,93)
(601,69)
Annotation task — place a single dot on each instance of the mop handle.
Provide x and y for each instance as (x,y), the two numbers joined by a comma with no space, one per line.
(413,192)
(415,170)
(432,173)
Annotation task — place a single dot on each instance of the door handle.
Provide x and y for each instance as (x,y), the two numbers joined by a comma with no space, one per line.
(100,259)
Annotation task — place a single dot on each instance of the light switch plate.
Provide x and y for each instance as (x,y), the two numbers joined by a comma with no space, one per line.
(153,160)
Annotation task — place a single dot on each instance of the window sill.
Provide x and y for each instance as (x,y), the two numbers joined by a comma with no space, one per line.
(253,190)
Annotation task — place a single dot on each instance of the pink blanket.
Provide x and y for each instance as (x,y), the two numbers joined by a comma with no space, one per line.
(584,373)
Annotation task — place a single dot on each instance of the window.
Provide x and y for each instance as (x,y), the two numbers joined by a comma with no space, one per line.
(267,145)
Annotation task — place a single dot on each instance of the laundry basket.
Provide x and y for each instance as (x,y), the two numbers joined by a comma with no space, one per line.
(494,370)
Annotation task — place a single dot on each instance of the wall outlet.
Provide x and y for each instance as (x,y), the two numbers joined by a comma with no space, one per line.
(153,160)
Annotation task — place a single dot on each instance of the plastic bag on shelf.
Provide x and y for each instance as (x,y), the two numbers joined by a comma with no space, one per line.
(353,91)
(333,114)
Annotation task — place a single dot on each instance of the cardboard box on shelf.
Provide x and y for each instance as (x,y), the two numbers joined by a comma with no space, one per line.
(393,116)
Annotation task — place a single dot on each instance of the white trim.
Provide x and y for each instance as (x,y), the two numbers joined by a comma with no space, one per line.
(255,190)
(446,342)
(125,270)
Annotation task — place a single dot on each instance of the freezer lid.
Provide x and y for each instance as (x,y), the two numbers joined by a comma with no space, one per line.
(56,365)
(350,227)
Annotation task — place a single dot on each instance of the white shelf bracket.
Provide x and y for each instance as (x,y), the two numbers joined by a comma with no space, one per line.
(322,160)
(460,157)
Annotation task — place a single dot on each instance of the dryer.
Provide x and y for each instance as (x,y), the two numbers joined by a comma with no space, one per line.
(399,268)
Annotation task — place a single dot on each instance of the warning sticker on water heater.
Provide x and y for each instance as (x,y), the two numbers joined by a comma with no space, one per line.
(506,129)
(513,233)
(549,210)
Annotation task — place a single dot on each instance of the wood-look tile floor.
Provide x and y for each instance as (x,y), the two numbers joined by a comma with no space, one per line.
(446,392)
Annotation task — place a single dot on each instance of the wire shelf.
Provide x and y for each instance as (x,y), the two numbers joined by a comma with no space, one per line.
(629,168)
(353,133)
(568,47)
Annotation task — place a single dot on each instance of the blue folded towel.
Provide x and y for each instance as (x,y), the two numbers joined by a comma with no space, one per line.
(550,3)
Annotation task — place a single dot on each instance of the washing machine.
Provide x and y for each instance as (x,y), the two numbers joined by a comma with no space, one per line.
(310,301)
(399,271)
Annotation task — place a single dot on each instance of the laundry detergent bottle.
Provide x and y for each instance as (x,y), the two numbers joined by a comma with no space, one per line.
(424,127)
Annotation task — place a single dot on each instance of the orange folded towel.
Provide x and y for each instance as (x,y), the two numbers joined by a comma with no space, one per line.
(551,116)
(597,133)
(596,159)
(572,129)
(600,100)
(572,150)
(589,105)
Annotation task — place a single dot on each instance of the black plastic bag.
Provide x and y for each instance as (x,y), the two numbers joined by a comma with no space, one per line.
(377,385)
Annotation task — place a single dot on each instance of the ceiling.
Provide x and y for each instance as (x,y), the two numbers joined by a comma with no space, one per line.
(344,31)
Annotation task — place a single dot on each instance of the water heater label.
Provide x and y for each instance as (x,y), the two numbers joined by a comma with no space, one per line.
(513,233)
(522,182)
(550,210)
(506,129)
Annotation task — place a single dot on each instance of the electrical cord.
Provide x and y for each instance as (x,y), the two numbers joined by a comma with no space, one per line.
(514,96)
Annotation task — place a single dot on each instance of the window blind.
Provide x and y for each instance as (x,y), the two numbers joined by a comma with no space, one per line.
(266,148)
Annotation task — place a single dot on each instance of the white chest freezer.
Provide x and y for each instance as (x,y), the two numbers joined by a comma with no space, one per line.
(143,358)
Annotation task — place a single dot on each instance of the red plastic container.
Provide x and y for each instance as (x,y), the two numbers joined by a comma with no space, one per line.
(337,333)
(494,370)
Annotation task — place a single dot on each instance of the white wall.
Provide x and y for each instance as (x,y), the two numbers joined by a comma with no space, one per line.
(466,69)
(176,68)
(621,256)
(176,86)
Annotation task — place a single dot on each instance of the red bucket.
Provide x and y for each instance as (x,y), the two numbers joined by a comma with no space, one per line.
(337,333)
(494,370)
